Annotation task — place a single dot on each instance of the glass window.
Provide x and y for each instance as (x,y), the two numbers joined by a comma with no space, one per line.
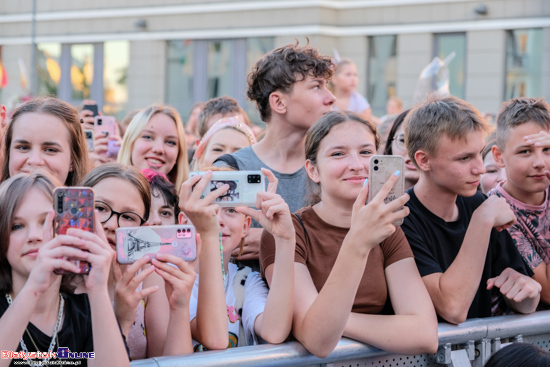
(48,68)
(523,63)
(444,45)
(381,72)
(115,67)
(82,71)
(220,64)
(180,75)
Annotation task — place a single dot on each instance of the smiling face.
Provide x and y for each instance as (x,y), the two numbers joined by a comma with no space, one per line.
(40,141)
(121,196)
(456,166)
(525,165)
(27,233)
(308,101)
(343,161)
(157,145)
(225,141)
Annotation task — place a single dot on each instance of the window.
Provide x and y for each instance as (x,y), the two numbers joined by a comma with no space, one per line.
(444,45)
(381,72)
(523,63)
(199,70)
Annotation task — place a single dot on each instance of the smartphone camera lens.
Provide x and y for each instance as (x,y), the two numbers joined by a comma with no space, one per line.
(254,179)
(376,168)
(376,161)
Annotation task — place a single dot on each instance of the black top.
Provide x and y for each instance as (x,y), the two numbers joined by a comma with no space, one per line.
(75,333)
(435,244)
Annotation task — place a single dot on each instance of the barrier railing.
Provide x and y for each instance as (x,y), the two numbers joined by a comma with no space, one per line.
(468,344)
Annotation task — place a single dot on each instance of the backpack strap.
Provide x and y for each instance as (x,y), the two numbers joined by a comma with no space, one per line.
(239,290)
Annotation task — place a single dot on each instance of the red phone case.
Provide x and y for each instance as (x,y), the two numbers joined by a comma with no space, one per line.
(74,208)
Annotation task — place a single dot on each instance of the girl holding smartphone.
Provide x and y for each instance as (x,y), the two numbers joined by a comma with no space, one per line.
(39,311)
(350,258)
(228,301)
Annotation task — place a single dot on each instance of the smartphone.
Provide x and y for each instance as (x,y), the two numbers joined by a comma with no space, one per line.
(74,208)
(132,243)
(243,186)
(89,136)
(104,125)
(381,168)
(91,107)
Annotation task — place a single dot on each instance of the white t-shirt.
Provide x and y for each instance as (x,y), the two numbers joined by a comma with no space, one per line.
(254,302)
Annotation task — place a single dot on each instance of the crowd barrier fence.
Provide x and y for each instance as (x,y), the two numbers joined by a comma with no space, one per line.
(468,344)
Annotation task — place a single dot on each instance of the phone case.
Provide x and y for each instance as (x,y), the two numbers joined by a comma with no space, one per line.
(132,243)
(89,136)
(243,186)
(104,124)
(74,208)
(381,167)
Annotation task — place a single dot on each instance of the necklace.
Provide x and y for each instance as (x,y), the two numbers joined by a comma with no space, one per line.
(54,337)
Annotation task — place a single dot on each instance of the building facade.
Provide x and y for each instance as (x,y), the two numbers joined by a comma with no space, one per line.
(127,55)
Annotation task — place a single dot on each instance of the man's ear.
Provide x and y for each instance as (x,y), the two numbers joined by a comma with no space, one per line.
(422,160)
(182,218)
(277,102)
(312,171)
(497,155)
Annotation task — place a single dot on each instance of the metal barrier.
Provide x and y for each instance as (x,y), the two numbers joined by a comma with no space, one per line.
(468,344)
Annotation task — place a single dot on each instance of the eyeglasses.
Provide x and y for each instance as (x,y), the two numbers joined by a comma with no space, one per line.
(124,219)
(400,142)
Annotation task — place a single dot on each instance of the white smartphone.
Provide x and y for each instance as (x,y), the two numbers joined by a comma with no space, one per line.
(132,243)
(243,186)
(381,168)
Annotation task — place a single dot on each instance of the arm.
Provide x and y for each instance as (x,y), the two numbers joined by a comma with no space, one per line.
(156,315)
(413,328)
(542,276)
(453,291)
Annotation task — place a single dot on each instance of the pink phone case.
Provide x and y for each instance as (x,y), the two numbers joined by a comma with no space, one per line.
(133,243)
(104,125)
(381,167)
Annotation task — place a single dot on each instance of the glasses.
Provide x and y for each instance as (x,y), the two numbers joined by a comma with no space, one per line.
(400,142)
(124,219)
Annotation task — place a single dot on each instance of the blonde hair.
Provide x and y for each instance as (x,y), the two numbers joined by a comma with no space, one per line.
(180,171)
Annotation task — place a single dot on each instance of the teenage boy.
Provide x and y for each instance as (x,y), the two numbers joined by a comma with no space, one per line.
(289,86)
(523,147)
(455,232)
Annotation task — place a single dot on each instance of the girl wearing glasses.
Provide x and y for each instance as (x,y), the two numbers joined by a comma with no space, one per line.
(395,145)
(151,306)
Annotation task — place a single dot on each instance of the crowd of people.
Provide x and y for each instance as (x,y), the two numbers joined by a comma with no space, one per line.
(313,260)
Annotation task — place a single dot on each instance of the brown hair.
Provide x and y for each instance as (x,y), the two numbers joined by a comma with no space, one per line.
(67,114)
(127,173)
(280,69)
(12,194)
(428,122)
(220,105)
(519,111)
(318,132)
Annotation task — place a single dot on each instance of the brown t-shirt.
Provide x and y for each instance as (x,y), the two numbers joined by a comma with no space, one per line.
(320,251)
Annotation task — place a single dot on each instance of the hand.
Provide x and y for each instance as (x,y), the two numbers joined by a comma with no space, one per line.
(542,139)
(201,211)
(374,221)
(515,286)
(273,214)
(498,212)
(101,144)
(87,119)
(126,297)
(178,281)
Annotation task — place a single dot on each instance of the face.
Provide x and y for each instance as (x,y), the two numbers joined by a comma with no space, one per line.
(157,146)
(40,141)
(225,141)
(456,165)
(398,148)
(343,161)
(26,232)
(393,108)
(494,173)
(346,78)
(308,101)
(525,163)
(234,227)
(121,196)
(161,214)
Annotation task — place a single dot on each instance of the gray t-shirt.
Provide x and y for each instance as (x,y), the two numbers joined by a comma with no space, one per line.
(292,186)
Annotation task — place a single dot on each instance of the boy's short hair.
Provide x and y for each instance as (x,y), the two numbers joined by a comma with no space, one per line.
(280,69)
(219,105)
(518,111)
(428,122)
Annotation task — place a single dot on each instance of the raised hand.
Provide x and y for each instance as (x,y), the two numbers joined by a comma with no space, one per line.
(178,281)
(515,286)
(498,212)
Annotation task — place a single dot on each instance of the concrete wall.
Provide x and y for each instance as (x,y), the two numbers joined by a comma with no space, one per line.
(146,73)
